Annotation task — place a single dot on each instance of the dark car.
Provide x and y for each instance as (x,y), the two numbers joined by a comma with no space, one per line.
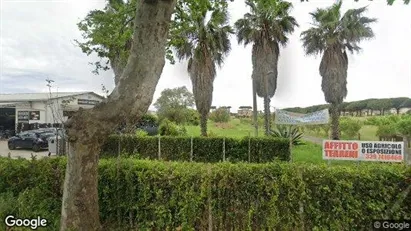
(35,140)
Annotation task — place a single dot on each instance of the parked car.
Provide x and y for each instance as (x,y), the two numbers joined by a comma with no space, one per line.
(35,140)
(5,134)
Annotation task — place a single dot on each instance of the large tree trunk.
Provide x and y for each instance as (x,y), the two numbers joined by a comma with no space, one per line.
(255,115)
(88,129)
(203,124)
(335,123)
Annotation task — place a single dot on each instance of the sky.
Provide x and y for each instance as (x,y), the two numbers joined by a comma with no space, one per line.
(37,42)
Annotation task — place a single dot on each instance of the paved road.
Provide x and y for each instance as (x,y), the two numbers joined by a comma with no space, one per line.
(313,139)
(4,151)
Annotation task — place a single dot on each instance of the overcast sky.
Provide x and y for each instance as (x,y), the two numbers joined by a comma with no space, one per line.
(37,43)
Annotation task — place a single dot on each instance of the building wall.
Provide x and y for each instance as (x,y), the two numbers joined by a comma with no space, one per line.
(52,111)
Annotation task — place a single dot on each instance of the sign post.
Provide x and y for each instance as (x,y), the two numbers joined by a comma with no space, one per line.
(378,151)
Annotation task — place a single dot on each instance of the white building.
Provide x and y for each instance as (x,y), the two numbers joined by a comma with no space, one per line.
(45,107)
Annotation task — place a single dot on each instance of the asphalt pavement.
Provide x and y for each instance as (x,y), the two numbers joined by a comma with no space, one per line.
(23,153)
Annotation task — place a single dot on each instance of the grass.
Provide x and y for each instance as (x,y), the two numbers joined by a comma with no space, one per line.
(234,128)
(367,133)
(306,153)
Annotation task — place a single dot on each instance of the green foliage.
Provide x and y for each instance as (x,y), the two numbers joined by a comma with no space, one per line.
(205,149)
(148,120)
(283,131)
(220,115)
(374,104)
(350,127)
(192,117)
(141,133)
(404,126)
(169,128)
(156,195)
(173,105)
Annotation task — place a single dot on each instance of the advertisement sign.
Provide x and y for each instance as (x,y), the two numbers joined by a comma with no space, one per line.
(23,116)
(384,151)
(291,118)
(87,102)
(35,115)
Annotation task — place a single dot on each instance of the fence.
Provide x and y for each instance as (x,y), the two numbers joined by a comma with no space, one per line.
(198,149)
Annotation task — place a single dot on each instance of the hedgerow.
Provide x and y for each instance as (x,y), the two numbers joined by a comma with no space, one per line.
(157,195)
(205,149)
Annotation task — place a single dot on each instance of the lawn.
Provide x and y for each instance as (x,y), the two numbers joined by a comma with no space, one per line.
(306,153)
(367,133)
(235,128)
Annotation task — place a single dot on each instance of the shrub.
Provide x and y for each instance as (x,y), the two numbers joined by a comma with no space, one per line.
(350,127)
(156,195)
(220,115)
(404,126)
(168,128)
(205,149)
(192,117)
(282,131)
(141,133)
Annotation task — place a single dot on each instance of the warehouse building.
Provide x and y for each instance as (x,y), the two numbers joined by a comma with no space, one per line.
(20,111)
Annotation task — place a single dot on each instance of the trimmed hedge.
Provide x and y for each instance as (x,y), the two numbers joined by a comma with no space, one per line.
(205,149)
(156,195)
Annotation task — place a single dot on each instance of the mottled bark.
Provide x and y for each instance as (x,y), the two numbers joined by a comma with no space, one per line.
(118,67)
(88,129)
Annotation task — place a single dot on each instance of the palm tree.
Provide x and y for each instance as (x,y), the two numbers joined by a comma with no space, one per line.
(266,27)
(332,35)
(205,44)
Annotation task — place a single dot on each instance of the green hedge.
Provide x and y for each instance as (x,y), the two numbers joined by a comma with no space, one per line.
(205,149)
(156,195)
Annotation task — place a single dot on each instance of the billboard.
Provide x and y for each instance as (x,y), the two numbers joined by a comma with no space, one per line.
(384,151)
(23,116)
(291,118)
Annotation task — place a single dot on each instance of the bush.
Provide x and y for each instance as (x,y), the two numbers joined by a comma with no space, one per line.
(220,115)
(350,127)
(141,133)
(205,149)
(156,195)
(192,117)
(282,131)
(404,126)
(168,128)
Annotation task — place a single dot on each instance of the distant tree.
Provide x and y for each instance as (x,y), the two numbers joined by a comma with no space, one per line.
(385,104)
(332,35)
(397,103)
(389,2)
(172,104)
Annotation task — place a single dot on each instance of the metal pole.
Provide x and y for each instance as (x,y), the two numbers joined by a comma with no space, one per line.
(191,151)
(223,148)
(255,116)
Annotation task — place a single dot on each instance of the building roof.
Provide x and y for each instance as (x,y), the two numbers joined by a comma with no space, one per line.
(19,97)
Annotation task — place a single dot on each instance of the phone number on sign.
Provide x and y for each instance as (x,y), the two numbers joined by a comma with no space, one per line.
(382,157)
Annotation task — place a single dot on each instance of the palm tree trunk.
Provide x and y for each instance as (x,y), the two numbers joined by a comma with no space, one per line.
(203,124)
(267,115)
(335,123)
(255,116)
